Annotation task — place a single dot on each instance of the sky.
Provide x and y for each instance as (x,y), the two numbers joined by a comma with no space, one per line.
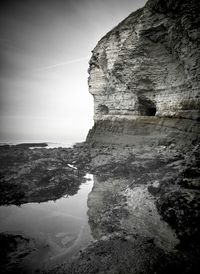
(45,47)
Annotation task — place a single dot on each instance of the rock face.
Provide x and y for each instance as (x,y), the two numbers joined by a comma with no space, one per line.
(149,65)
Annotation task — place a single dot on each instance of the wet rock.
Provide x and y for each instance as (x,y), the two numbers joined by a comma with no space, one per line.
(37,175)
(14,248)
(179,201)
(28,145)
(123,253)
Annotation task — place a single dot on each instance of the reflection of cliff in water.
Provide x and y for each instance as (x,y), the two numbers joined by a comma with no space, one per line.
(114,207)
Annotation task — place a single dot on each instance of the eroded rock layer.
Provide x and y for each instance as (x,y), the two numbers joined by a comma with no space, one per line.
(149,65)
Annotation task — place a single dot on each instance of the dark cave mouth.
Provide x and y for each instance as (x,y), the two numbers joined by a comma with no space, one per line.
(151,111)
(103,109)
(146,107)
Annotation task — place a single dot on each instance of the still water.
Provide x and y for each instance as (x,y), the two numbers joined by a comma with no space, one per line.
(59,228)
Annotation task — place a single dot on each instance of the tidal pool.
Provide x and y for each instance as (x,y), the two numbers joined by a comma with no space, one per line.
(59,229)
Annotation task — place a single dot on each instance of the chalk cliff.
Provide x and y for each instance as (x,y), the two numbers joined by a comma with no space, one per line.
(144,75)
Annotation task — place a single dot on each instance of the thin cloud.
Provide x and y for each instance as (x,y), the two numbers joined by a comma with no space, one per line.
(63,64)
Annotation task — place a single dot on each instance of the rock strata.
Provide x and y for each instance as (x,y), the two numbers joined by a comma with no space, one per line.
(149,66)
(143,150)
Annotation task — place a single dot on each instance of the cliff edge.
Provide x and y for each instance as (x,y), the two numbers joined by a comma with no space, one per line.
(144,207)
(144,76)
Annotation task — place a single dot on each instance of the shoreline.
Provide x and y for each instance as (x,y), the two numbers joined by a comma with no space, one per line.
(131,203)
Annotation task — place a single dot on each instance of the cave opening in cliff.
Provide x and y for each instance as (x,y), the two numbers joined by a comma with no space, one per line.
(103,109)
(146,107)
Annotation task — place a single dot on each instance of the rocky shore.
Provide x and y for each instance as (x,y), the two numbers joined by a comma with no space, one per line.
(143,151)
(143,210)
(36,175)
(144,203)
